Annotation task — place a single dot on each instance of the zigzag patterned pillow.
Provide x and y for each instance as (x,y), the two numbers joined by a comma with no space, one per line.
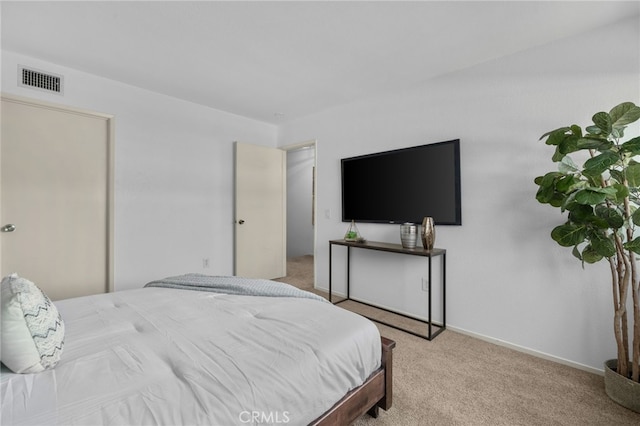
(32,329)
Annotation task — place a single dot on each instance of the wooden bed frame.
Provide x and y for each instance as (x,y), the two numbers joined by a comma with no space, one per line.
(373,394)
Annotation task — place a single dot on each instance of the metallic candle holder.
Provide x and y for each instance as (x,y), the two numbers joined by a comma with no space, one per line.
(409,235)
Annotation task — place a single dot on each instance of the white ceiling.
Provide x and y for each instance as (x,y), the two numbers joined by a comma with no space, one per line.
(264,59)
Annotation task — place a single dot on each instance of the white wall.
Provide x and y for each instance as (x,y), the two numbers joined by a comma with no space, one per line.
(173,172)
(506,278)
(300,164)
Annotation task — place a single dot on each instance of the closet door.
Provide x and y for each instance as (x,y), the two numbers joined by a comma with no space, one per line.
(261,207)
(55,192)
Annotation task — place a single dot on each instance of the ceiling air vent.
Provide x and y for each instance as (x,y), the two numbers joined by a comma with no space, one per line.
(28,77)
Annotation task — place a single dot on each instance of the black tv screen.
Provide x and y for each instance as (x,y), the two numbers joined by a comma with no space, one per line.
(404,185)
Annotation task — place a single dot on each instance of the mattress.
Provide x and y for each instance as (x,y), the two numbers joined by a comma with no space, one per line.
(183,357)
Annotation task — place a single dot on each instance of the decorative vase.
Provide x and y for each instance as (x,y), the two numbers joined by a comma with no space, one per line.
(428,233)
(352,234)
(408,235)
(621,389)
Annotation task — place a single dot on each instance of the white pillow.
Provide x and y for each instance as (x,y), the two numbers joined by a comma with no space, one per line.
(32,329)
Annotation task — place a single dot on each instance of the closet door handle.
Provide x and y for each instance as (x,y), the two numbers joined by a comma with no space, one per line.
(241,221)
(8,228)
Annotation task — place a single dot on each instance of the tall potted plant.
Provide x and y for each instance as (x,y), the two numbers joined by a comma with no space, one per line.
(601,199)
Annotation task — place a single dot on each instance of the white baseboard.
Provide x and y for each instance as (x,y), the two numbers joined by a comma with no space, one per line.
(333,292)
(495,341)
(528,351)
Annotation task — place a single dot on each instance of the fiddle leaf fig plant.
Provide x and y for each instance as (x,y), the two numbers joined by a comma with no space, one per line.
(600,199)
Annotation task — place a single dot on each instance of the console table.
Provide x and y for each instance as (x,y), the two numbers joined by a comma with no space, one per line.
(432,329)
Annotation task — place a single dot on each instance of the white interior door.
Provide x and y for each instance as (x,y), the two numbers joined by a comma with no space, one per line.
(55,165)
(260,222)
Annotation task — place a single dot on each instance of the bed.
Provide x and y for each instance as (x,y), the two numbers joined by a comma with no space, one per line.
(200,350)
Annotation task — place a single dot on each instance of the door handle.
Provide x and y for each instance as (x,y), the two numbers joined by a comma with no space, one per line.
(8,228)
(241,221)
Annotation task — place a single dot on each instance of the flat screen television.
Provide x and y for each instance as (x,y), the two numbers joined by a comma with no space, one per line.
(404,185)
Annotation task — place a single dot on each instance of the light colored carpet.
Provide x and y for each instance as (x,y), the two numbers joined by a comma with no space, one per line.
(459,380)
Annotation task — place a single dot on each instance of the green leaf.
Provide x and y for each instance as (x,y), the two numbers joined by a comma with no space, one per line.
(621,192)
(631,146)
(547,186)
(598,222)
(603,121)
(593,181)
(602,244)
(593,130)
(590,255)
(623,114)
(576,130)
(570,203)
(633,245)
(576,252)
(599,144)
(555,136)
(617,132)
(568,235)
(617,175)
(581,214)
(569,144)
(549,178)
(557,155)
(593,195)
(567,165)
(566,183)
(601,162)
(545,194)
(635,217)
(612,217)
(557,199)
(633,175)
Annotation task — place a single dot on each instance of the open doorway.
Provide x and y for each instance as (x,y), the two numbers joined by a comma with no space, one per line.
(301,214)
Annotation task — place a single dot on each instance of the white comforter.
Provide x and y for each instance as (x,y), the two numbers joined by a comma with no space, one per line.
(181,357)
